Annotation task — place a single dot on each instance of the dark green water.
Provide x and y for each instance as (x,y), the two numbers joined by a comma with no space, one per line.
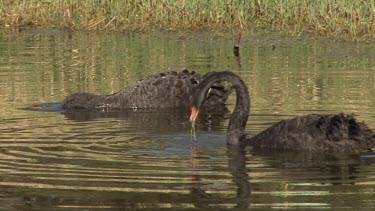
(145,159)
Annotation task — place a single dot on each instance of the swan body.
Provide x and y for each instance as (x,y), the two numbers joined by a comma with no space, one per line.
(334,133)
(162,90)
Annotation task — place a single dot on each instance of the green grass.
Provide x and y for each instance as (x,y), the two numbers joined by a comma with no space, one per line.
(333,18)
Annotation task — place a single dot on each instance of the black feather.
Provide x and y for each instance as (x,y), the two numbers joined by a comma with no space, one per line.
(334,133)
(161,90)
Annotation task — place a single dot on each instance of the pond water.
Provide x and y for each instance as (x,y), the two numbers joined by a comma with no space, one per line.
(146,159)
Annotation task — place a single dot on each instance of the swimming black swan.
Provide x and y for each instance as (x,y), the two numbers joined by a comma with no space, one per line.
(162,90)
(334,133)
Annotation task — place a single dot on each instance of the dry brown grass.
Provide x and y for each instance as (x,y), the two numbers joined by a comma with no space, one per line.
(340,18)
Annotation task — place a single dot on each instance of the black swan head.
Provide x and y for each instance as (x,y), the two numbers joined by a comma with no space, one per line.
(238,120)
(334,133)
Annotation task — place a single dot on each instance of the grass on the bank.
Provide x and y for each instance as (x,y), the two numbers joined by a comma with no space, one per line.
(334,18)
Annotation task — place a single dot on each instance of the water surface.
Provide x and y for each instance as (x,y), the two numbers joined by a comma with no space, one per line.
(146,159)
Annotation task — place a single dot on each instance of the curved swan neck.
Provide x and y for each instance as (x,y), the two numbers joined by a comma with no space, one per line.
(238,120)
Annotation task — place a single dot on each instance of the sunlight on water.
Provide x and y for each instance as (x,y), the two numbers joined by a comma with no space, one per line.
(51,159)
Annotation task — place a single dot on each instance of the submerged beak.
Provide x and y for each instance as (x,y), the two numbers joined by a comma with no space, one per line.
(193,114)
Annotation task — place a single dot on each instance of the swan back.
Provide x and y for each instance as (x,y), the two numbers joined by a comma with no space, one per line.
(162,90)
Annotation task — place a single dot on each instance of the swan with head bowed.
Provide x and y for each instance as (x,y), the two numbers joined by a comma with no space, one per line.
(333,133)
(162,90)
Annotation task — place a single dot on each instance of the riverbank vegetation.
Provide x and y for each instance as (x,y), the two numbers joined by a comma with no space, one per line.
(344,19)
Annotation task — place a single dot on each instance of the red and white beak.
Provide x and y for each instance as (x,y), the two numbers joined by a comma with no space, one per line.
(193,114)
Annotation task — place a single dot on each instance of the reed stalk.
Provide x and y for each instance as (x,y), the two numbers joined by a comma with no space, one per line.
(333,18)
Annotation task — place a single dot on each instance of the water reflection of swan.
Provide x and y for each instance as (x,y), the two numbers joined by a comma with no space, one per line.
(311,132)
(163,90)
(282,173)
(167,120)
(239,172)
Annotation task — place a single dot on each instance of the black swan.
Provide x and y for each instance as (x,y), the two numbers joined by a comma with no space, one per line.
(334,133)
(162,90)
